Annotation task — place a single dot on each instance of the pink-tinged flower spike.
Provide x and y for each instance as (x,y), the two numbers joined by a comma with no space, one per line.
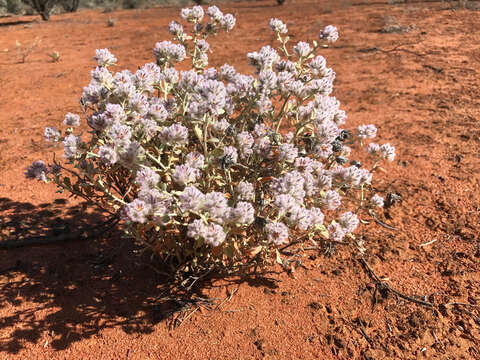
(228,22)
(245,142)
(277,233)
(102,76)
(373,148)
(108,155)
(130,154)
(147,178)
(336,232)
(70,145)
(115,113)
(154,72)
(170,75)
(278,26)
(286,203)
(304,164)
(340,117)
(301,218)
(243,214)
(51,134)
(203,46)
(310,185)
(265,59)
(217,206)
(159,201)
(349,221)
(194,14)
(317,216)
(214,235)
(71,119)
(220,126)
(323,150)
(196,229)
(329,34)
(367,131)
(93,94)
(174,135)
(144,81)
(318,65)
(103,57)
(287,153)
(332,200)
(191,199)
(230,154)
(228,72)
(137,211)
(189,79)
(377,201)
(245,191)
(214,13)
(263,147)
(263,105)
(267,81)
(302,49)
(195,160)
(175,28)
(351,175)
(388,152)
(157,111)
(167,51)
(38,170)
(292,183)
(184,174)
(99,121)
(261,130)
(138,103)
(120,134)
(289,137)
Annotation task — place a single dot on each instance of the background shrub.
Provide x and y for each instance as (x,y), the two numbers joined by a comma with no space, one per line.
(42,7)
(70,5)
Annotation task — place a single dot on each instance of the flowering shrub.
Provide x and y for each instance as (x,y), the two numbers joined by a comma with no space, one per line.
(214,168)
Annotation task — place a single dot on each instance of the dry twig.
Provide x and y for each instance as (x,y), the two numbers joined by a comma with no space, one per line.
(383,285)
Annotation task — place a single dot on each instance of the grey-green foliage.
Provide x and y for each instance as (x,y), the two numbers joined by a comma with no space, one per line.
(13,6)
(42,7)
(70,5)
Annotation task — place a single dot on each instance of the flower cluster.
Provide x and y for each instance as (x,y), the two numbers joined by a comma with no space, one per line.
(206,164)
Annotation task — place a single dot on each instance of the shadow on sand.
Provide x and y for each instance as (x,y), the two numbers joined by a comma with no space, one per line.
(80,287)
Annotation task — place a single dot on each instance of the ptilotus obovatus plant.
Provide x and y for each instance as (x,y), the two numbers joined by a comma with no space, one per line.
(212,168)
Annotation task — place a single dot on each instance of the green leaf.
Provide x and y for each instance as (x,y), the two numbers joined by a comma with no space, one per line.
(216,153)
(323,231)
(220,183)
(278,257)
(229,251)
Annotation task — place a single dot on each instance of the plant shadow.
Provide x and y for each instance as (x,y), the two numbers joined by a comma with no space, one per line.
(73,290)
(16,22)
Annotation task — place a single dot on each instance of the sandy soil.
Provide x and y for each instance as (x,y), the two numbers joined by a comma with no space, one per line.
(97,299)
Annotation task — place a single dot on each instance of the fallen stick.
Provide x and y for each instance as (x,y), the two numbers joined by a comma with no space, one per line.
(386,286)
(396,48)
(428,243)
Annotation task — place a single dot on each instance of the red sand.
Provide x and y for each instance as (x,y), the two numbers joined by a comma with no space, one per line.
(97,300)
